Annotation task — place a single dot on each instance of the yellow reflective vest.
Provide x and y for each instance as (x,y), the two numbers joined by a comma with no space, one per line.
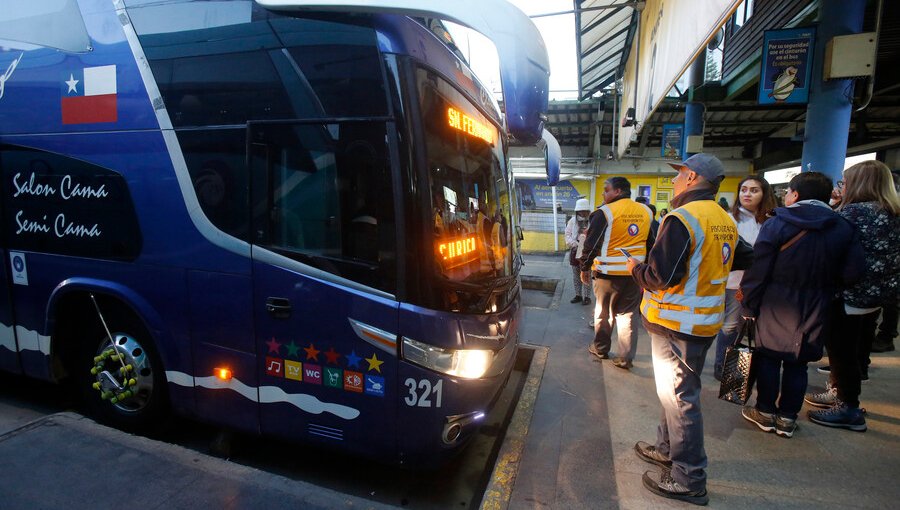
(627,227)
(696,304)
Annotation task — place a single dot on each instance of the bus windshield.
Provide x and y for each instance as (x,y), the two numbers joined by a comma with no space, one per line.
(470,205)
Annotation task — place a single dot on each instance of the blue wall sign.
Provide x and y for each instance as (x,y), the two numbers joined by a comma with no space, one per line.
(672,140)
(535,194)
(786,65)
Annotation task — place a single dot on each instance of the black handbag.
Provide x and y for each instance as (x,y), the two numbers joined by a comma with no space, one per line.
(737,371)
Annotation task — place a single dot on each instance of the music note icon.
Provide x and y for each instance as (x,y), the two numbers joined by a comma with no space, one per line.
(273,367)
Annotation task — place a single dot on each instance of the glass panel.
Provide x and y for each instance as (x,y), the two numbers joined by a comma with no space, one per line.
(469,193)
(322,195)
(216,160)
(52,23)
(221,63)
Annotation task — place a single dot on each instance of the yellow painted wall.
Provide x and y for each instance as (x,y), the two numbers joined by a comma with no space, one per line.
(661,185)
(543,241)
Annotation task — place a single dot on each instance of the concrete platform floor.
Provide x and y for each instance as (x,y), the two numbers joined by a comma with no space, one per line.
(589,414)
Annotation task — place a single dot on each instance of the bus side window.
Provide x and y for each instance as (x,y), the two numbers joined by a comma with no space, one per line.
(325,198)
(216,162)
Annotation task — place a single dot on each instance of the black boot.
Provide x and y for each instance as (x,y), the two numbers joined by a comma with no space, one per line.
(576,299)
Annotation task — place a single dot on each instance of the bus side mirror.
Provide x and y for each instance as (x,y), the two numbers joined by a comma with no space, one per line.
(552,158)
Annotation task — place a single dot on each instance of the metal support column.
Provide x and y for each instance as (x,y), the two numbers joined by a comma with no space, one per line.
(830,102)
(693,124)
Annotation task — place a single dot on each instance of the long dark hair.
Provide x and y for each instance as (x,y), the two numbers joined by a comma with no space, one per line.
(766,206)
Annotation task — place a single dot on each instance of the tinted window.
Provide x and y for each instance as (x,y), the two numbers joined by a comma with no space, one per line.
(56,204)
(216,160)
(219,63)
(322,195)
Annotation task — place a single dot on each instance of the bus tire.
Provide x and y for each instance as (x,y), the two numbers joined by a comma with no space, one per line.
(104,379)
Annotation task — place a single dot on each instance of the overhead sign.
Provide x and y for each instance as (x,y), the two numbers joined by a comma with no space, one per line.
(672,35)
(786,65)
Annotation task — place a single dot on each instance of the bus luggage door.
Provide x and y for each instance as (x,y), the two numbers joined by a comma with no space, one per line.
(325,332)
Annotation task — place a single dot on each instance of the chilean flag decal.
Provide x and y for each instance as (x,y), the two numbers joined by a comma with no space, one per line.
(89,95)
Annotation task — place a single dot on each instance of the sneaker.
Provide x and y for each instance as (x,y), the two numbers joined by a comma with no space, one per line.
(840,415)
(623,363)
(824,369)
(667,487)
(648,453)
(600,355)
(785,427)
(586,301)
(765,421)
(883,347)
(576,299)
(823,399)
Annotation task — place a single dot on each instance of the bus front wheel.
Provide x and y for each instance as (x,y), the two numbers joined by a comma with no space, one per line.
(122,378)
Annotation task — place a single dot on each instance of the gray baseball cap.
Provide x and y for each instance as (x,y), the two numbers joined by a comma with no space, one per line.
(705,165)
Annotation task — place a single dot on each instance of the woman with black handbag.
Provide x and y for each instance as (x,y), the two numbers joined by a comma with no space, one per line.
(803,257)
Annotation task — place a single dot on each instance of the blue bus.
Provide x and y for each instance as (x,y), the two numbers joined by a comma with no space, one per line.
(282,217)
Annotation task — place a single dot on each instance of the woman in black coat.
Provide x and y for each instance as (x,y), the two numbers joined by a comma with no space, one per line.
(803,258)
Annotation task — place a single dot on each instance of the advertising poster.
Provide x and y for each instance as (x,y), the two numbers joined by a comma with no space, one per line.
(672,140)
(536,194)
(786,66)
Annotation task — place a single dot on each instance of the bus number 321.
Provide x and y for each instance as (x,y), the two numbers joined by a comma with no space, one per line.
(426,390)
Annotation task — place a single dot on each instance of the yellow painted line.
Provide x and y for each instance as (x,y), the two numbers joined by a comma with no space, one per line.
(503,478)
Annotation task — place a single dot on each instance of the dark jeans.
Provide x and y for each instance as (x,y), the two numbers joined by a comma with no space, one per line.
(793,384)
(887,330)
(849,345)
(677,365)
(617,304)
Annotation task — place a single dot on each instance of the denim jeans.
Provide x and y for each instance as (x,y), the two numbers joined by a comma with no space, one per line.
(730,329)
(617,305)
(793,384)
(677,365)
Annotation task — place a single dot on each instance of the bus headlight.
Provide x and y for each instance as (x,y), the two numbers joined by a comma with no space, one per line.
(466,363)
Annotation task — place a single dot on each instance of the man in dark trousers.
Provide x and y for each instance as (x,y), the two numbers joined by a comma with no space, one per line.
(620,224)
(683,308)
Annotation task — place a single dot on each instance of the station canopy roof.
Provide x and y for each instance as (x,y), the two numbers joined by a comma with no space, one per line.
(605,31)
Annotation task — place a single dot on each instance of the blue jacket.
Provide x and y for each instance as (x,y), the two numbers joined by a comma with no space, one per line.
(790,291)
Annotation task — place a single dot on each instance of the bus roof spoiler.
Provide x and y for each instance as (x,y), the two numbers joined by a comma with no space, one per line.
(524,64)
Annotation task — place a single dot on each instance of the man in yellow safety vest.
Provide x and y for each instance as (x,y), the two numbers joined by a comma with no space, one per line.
(683,308)
(619,228)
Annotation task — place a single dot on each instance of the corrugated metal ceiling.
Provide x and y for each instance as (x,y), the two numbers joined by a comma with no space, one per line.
(605,31)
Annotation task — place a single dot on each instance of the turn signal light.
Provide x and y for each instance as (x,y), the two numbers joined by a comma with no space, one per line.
(223,373)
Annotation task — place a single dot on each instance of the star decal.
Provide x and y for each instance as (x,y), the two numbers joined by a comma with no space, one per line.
(374,363)
(353,360)
(293,349)
(72,82)
(274,346)
(331,356)
(312,352)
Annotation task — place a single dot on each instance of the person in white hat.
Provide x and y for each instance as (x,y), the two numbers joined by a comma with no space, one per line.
(575,231)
